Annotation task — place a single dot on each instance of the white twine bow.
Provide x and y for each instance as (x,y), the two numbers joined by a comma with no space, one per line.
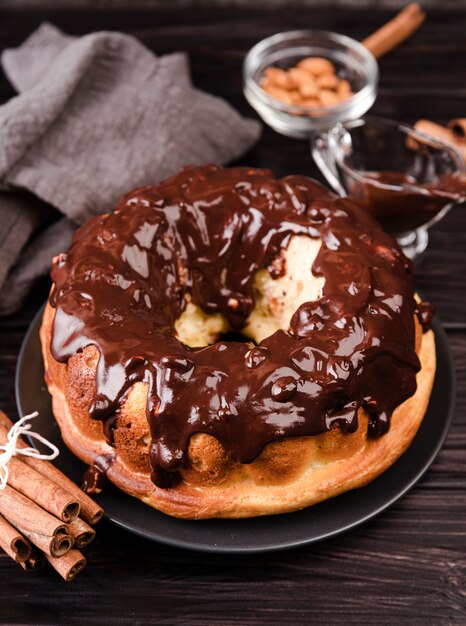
(10,448)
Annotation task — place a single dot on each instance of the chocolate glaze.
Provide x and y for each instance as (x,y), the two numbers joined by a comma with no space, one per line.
(202,235)
(408,203)
(93,480)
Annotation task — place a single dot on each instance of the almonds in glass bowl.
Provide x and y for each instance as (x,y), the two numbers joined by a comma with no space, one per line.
(313,82)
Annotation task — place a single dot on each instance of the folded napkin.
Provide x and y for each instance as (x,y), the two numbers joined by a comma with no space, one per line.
(96,116)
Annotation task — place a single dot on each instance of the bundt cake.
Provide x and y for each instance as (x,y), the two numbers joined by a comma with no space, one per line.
(227,344)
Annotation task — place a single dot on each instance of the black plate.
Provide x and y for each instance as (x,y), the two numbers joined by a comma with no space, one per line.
(258,534)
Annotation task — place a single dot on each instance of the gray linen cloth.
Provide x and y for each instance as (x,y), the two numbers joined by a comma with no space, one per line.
(96,116)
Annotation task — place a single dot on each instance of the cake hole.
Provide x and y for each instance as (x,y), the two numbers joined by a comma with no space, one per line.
(276,298)
(236,336)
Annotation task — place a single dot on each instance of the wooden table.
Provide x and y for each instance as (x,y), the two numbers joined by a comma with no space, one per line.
(407,565)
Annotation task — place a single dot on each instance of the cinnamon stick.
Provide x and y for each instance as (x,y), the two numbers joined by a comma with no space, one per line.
(13,543)
(68,565)
(458,127)
(443,133)
(431,128)
(42,529)
(396,30)
(90,510)
(81,532)
(42,490)
(34,563)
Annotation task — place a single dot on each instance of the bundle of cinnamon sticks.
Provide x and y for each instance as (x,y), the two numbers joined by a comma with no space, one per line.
(44,516)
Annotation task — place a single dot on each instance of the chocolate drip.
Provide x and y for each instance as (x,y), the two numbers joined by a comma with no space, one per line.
(95,477)
(425,312)
(201,236)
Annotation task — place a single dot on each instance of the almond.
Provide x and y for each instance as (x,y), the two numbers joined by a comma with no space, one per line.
(299,76)
(309,89)
(317,65)
(295,96)
(328,81)
(277,92)
(344,87)
(346,95)
(279,77)
(328,97)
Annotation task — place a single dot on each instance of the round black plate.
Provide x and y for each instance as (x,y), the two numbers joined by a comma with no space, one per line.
(261,533)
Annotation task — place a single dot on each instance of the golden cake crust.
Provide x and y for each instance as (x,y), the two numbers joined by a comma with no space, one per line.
(288,475)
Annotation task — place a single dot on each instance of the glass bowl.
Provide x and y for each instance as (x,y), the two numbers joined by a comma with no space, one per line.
(352,61)
(407,179)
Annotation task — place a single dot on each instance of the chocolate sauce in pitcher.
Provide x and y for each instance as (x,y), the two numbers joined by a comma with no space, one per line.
(400,203)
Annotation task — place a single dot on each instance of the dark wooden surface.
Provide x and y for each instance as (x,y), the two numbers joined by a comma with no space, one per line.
(409,564)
